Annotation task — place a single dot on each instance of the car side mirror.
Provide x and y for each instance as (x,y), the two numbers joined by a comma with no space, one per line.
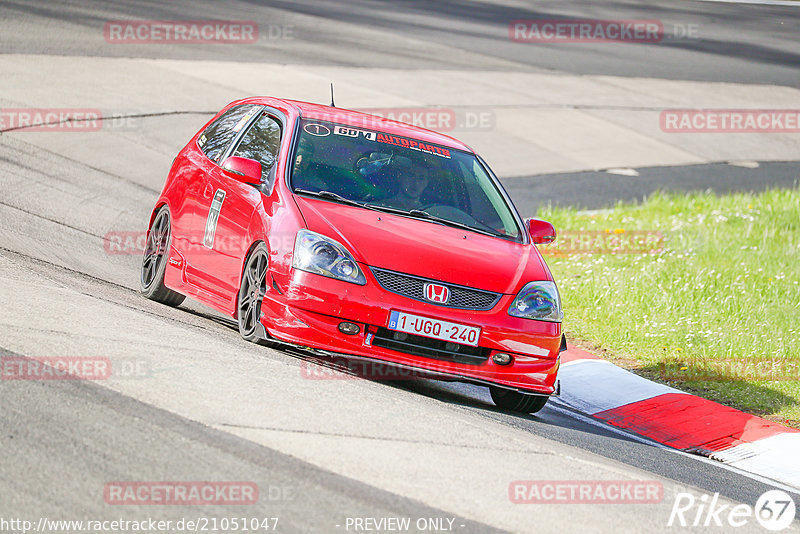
(243,169)
(541,232)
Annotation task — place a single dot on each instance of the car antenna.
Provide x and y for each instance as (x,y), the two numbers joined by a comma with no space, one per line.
(332,104)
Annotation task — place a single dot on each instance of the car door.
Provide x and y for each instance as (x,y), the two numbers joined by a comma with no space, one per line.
(197,218)
(235,203)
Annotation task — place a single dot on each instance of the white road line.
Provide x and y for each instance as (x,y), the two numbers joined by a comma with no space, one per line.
(617,387)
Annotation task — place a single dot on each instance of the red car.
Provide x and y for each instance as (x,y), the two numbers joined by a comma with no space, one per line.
(345,232)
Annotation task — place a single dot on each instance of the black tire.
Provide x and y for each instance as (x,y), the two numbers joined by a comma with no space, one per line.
(154,261)
(252,289)
(516,401)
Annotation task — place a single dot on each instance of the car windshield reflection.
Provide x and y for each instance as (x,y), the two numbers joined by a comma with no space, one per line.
(401,175)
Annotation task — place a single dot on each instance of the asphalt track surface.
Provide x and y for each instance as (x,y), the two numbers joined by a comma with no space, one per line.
(602,189)
(725,42)
(211,407)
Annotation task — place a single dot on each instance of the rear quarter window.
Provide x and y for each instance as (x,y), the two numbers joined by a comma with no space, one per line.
(218,135)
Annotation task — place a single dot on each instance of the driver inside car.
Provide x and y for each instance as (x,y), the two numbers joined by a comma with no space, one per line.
(413,184)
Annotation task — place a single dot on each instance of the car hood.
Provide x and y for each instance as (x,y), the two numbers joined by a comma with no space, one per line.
(424,248)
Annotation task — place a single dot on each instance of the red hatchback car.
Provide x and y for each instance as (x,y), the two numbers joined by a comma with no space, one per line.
(345,232)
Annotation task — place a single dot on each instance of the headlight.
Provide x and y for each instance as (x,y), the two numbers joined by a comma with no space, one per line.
(318,254)
(538,300)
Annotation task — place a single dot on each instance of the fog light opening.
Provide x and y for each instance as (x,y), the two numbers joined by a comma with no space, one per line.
(501,358)
(350,329)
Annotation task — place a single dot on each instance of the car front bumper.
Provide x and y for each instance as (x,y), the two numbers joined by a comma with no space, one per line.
(306,309)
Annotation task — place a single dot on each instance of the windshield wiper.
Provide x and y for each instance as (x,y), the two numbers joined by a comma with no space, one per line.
(419,214)
(425,215)
(389,209)
(330,195)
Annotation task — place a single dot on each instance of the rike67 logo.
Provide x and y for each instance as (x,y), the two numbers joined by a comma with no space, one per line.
(774,510)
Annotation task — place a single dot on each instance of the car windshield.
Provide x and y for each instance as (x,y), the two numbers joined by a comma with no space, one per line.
(399,174)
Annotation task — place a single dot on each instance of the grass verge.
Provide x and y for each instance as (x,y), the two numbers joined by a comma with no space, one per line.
(698,291)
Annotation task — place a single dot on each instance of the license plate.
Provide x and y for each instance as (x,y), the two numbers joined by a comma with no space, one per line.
(434,328)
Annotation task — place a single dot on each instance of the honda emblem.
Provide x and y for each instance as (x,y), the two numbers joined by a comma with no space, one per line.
(437,293)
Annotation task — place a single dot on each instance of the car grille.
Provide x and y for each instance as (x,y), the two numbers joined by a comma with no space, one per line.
(429,348)
(414,287)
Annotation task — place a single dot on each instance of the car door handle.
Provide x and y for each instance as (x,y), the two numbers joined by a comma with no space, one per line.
(208,191)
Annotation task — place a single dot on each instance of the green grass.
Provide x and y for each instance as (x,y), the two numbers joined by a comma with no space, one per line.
(716,312)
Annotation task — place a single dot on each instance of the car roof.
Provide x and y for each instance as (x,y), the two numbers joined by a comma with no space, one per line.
(358,119)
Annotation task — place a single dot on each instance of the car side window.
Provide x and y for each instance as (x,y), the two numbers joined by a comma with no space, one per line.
(218,135)
(261,143)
